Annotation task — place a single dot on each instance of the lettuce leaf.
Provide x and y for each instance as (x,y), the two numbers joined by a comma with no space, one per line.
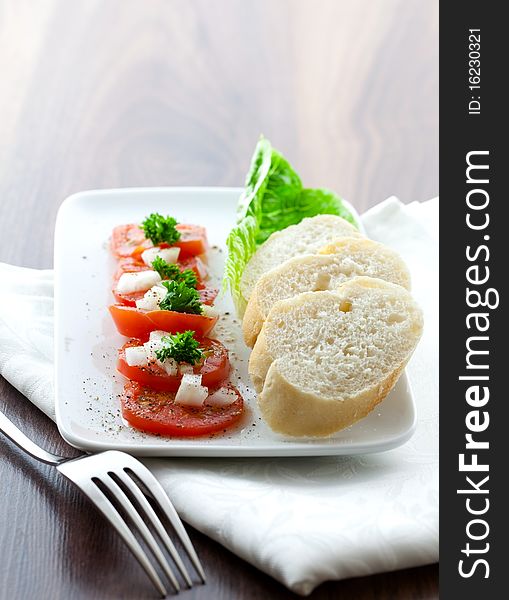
(272,189)
(273,198)
(314,201)
(241,245)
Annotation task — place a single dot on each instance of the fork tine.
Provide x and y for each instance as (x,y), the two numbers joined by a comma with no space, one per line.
(143,530)
(104,505)
(154,519)
(155,488)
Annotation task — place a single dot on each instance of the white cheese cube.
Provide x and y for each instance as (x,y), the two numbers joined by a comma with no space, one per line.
(191,392)
(151,299)
(222,397)
(186,368)
(150,349)
(137,282)
(169,255)
(157,335)
(148,255)
(135,356)
(169,365)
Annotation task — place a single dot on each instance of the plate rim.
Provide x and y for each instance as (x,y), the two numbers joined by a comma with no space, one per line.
(298,449)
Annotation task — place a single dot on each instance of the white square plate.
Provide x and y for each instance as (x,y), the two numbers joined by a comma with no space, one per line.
(86,341)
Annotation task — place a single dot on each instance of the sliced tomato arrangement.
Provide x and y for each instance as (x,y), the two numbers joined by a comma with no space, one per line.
(148,400)
(136,323)
(156,412)
(214,368)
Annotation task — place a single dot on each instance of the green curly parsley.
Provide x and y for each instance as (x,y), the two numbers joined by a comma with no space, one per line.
(182,347)
(160,229)
(181,298)
(171,271)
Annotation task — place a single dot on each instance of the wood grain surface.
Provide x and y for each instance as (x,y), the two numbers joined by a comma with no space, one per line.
(114,93)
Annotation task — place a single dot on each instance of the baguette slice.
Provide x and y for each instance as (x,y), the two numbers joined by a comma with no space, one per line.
(336,263)
(324,360)
(307,237)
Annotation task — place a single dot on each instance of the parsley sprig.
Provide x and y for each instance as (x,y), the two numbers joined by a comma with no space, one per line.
(181,298)
(182,347)
(160,229)
(171,271)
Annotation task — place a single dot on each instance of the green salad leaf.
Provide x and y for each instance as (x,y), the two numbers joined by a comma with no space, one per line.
(272,190)
(273,198)
(315,201)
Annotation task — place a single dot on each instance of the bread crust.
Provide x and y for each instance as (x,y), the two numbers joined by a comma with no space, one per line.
(259,363)
(252,322)
(291,411)
(290,408)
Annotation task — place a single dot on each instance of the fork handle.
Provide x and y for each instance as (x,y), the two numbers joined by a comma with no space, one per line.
(10,430)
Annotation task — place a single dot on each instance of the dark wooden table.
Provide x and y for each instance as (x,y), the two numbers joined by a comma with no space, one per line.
(114,93)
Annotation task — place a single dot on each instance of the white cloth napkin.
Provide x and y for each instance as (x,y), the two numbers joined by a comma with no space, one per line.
(303,520)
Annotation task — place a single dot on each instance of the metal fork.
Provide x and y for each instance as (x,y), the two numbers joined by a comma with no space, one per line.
(115,479)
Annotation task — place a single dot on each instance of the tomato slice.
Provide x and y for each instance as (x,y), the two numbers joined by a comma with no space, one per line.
(214,369)
(131,265)
(193,240)
(129,240)
(135,323)
(128,264)
(207,296)
(156,412)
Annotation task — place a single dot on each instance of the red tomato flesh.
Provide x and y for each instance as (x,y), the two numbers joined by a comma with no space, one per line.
(214,369)
(135,323)
(156,412)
